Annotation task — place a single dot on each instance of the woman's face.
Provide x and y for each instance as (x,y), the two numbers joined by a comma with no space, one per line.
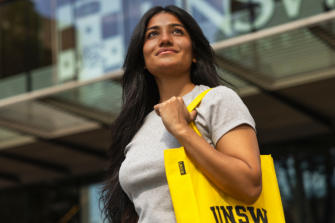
(167,46)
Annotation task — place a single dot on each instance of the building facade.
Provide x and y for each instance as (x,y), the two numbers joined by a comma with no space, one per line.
(60,70)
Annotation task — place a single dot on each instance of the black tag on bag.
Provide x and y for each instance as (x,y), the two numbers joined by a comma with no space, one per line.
(182,167)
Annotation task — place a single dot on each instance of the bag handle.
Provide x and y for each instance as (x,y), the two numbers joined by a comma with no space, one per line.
(193,105)
(197,100)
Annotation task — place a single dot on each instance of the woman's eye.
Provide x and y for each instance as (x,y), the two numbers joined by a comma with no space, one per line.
(151,34)
(178,31)
(155,33)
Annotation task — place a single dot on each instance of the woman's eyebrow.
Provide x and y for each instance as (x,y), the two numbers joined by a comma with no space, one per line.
(176,24)
(171,24)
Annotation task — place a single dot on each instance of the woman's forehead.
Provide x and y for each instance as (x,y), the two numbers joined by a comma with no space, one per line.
(163,19)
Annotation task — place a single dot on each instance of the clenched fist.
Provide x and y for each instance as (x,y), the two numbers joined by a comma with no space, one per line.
(175,115)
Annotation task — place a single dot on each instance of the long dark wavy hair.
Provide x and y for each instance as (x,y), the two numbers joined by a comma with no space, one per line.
(140,94)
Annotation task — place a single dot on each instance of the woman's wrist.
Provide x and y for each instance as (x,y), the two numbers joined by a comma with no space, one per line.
(181,132)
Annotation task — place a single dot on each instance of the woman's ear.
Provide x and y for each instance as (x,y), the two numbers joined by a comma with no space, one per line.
(194,60)
(194,53)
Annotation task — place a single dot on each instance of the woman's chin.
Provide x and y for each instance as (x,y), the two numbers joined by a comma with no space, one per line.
(167,69)
(172,65)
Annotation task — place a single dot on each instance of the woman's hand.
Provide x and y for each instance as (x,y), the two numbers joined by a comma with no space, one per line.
(175,115)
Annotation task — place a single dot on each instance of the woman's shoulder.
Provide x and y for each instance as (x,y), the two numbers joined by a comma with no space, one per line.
(221,93)
(221,110)
(223,100)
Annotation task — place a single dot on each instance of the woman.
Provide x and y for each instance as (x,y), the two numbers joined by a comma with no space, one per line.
(168,63)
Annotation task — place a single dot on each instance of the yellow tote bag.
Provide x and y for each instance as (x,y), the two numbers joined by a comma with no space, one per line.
(197,200)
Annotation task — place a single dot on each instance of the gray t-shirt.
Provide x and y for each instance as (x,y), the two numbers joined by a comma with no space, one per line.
(142,174)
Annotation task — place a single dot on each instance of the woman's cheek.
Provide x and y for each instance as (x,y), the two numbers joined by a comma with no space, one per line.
(148,53)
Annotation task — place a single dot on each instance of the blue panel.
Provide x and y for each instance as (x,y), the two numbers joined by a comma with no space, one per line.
(62,2)
(43,7)
(109,25)
(88,9)
(162,2)
(217,4)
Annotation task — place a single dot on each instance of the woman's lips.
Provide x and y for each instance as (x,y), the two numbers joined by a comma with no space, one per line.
(166,52)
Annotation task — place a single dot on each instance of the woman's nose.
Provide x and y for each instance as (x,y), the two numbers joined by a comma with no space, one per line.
(165,39)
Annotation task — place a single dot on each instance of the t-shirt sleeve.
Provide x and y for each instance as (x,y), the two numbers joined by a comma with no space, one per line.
(222,110)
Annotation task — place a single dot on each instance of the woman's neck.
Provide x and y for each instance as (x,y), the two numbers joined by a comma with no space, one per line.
(177,87)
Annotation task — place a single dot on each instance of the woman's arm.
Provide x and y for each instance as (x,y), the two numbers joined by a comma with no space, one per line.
(234,167)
